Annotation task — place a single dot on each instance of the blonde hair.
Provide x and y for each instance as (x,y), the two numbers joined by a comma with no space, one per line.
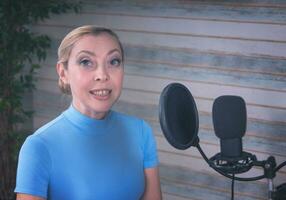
(71,38)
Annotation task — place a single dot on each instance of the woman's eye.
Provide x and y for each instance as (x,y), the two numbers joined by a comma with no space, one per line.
(115,62)
(85,62)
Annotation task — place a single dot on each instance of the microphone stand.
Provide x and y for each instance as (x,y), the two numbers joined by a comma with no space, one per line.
(268,165)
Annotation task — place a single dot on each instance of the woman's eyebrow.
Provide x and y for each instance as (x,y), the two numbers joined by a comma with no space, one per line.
(87,52)
(113,50)
(93,54)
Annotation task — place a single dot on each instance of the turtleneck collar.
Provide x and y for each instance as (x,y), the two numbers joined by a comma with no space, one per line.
(86,123)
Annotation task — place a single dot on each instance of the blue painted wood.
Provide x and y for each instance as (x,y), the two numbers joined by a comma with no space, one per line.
(207,59)
(190,177)
(243,2)
(198,191)
(194,9)
(187,27)
(208,75)
(225,45)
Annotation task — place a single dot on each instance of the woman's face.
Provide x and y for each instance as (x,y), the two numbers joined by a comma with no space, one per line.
(94,73)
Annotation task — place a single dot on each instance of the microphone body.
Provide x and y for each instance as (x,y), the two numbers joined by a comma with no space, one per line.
(229,120)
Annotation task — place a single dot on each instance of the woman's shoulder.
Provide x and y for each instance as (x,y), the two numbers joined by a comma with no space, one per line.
(51,126)
(47,133)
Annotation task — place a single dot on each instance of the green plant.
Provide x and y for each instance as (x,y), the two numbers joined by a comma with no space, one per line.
(20,49)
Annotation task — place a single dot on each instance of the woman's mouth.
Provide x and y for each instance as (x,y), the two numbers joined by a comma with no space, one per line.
(101,94)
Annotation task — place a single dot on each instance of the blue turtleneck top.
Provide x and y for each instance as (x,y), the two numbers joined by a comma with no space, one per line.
(75,157)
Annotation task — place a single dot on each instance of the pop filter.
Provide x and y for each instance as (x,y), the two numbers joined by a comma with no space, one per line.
(179,116)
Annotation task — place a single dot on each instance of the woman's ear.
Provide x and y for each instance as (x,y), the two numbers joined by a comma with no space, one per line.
(62,72)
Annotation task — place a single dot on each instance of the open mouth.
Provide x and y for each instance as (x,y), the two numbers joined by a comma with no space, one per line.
(101,93)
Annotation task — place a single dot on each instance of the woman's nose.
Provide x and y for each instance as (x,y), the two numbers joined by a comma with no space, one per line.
(101,74)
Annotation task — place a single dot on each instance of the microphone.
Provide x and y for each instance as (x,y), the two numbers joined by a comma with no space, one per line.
(179,120)
(229,120)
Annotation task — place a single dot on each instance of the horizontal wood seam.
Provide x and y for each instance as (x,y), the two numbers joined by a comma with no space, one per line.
(183,18)
(173,64)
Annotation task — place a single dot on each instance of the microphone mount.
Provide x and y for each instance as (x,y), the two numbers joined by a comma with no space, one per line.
(179,122)
(229,167)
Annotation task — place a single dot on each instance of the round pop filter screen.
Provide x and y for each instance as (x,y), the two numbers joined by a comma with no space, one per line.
(178,116)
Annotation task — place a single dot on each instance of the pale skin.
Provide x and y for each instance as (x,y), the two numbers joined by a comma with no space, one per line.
(95,75)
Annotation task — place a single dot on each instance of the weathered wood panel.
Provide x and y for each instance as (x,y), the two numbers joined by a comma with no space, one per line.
(235,46)
(224,10)
(187,27)
(214,48)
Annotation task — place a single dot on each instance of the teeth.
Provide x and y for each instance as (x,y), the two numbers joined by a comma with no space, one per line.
(101,92)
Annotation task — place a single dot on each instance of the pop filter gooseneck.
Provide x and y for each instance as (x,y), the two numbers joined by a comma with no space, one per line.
(179,116)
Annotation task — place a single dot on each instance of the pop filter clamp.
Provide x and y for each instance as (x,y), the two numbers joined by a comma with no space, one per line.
(179,121)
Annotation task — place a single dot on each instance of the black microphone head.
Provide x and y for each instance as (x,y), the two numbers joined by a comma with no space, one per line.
(229,120)
(178,116)
(229,117)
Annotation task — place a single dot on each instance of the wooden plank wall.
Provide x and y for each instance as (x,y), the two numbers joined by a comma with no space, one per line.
(223,47)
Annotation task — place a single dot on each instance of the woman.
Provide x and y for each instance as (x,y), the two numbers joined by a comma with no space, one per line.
(90,151)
